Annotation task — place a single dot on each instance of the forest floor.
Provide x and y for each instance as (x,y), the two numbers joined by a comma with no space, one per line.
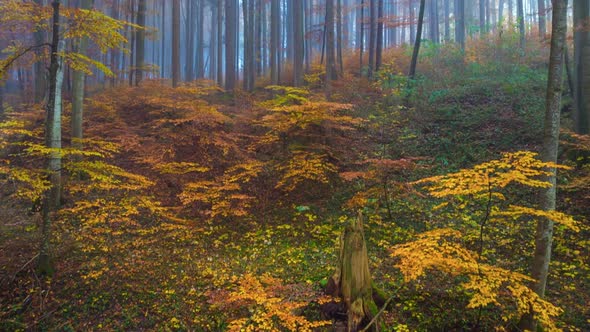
(205,211)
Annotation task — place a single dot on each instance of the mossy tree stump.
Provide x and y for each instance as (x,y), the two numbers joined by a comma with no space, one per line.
(352,280)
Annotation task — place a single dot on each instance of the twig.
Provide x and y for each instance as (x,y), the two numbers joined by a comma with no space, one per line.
(22,268)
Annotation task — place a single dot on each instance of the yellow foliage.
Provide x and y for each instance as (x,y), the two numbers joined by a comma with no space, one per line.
(516,212)
(269,311)
(224,194)
(180,168)
(520,167)
(488,285)
(305,166)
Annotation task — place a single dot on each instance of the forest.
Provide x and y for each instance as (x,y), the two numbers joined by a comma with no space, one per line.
(295,165)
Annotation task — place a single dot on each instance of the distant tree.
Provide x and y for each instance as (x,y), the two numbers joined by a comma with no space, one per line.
(582,66)
(361,33)
(140,42)
(39,67)
(299,42)
(78,84)
(544,233)
(331,73)
(175,42)
(339,36)
(447,5)
(460,22)
(231,43)
(542,18)
(521,30)
(372,35)
(379,46)
(191,21)
(418,39)
(482,17)
(275,35)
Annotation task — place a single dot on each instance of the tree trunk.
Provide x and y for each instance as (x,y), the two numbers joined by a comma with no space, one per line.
(521,30)
(298,42)
(500,13)
(372,35)
(339,36)
(379,47)
(412,73)
(230,44)
(189,41)
(220,42)
(175,43)
(544,232)
(39,66)
(482,17)
(460,22)
(352,279)
(447,5)
(140,45)
(52,141)
(582,66)
(361,34)
(542,18)
(331,73)
(78,89)
(274,40)
(200,53)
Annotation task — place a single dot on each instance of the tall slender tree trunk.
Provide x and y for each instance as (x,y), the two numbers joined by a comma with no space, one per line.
(39,65)
(220,14)
(200,49)
(140,46)
(339,36)
(482,17)
(544,232)
(230,44)
(331,73)
(132,43)
(511,13)
(582,66)
(411,7)
(412,73)
(521,30)
(379,46)
(274,40)
(372,35)
(78,89)
(500,13)
(460,22)
(447,5)
(175,42)
(51,199)
(298,42)
(542,18)
(115,53)
(361,34)
(190,23)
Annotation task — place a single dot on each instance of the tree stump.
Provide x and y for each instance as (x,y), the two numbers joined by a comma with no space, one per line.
(352,280)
